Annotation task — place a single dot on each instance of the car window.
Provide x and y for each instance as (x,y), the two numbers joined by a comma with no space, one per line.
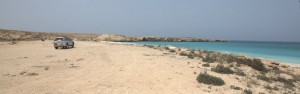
(56,39)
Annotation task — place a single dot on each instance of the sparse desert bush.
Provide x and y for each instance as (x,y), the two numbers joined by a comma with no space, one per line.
(183,54)
(221,69)
(271,88)
(172,51)
(258,65)
(150,46)
(239,72)
(190,56)
(264,78)
(255,64)
(296,77)
(276,70)
(209,59)
(235,87)
(287,83)
(268,87)
(247,91)
(210,80)
(206,65)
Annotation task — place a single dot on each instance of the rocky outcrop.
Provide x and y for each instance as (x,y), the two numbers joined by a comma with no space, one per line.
(9,35)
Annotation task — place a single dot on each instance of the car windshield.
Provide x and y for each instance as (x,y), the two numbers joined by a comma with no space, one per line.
(56,39)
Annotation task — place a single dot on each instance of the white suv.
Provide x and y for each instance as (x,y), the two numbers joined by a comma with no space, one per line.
(63,42)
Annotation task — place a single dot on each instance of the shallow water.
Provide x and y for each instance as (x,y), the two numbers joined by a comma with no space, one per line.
(286,52)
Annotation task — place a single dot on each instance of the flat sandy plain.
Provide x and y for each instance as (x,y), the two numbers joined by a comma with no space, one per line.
(35,67)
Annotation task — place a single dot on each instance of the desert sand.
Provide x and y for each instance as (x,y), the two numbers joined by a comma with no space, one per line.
(35,67)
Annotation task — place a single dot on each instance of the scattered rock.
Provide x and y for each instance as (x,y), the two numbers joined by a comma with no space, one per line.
(23,72)
(32,74)
(73,66)
(47,68)
(43,67)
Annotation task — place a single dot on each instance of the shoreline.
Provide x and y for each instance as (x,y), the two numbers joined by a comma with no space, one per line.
(223,52)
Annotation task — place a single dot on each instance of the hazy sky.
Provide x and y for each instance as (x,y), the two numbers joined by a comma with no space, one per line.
(263,20)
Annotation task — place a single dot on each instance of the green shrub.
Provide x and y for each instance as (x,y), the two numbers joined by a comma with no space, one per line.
(247,91)
(209,59)
(264,78)
(255,64)
(240,72)
(183,54)
(190,56)
(235,87)
(167,48)
(150,46)
(221,69)
(172,51)
(287,83)
(258,65)
(271,88)
(206,65)
(268,87)
(209,79)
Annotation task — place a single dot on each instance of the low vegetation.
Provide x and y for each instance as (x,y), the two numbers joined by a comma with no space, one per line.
(287,83)
(209,59)
(221,69)
(209,79)
(206,65)
(264,78)
(271,88)
(240,73)
(235,87)
(247,91)
(231,64)
(172,51)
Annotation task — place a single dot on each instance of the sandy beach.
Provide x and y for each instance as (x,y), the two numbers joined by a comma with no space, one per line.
(35,67)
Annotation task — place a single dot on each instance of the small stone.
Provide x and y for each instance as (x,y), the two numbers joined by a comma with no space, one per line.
(23,72)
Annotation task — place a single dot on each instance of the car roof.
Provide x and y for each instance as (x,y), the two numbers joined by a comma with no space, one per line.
(61,37)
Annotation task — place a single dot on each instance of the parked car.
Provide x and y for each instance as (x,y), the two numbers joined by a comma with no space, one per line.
(63,42)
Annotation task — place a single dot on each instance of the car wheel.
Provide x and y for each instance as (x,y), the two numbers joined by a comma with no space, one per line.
(67,46)
(56,47)
(73,45)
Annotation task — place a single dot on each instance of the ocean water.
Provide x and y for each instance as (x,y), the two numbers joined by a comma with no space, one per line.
(284,52)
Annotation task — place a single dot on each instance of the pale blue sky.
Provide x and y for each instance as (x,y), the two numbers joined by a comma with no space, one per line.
(259,20)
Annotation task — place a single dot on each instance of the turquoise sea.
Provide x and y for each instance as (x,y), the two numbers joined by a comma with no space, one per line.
(285,52)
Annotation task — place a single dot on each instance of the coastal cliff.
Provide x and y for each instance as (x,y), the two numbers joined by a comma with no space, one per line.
(10,35)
